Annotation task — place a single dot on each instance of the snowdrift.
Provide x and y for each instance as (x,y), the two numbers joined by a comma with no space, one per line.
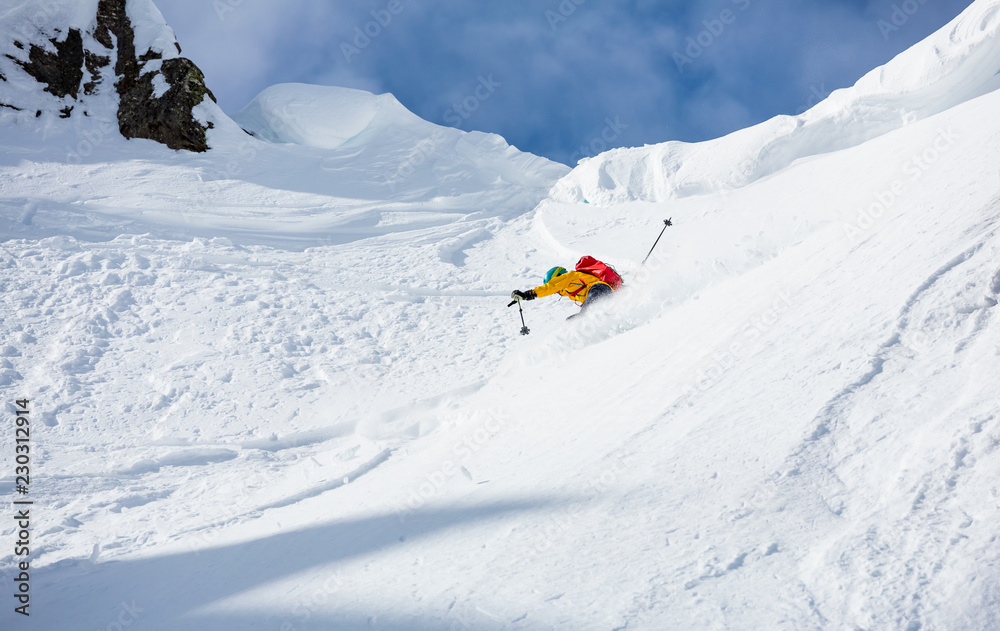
(325,117)
(377,129)
(959,62)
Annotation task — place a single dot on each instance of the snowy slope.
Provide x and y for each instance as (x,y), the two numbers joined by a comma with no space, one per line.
(268,399)
(320,195)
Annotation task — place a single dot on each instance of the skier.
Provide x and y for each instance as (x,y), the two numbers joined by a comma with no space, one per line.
(583,288)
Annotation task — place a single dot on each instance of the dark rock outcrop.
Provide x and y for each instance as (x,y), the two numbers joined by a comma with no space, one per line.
(142,113)
(61,71)
(167,119)
(94,64)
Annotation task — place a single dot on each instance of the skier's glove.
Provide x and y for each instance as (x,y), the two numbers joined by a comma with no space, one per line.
(523,295)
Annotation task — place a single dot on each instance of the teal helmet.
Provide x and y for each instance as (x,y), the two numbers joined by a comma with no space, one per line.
(555,271)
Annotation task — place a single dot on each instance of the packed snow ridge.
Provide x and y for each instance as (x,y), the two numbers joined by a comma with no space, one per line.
(958,63)
(276,384)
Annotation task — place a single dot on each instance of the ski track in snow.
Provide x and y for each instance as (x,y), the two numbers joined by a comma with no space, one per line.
(934,322)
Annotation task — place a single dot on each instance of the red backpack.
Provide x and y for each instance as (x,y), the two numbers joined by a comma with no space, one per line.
(607,274)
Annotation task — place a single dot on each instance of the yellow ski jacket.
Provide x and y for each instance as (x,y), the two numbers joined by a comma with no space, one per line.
(574,285)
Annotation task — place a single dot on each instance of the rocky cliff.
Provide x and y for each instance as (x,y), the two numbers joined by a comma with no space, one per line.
(157,90)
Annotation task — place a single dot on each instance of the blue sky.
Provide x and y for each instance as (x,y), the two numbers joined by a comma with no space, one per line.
(560,78)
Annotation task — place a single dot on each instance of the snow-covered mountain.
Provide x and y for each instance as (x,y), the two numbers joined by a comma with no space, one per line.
(275,384)
(396,172)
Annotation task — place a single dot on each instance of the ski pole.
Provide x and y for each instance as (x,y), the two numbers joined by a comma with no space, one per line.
(524,328)
(666,224)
